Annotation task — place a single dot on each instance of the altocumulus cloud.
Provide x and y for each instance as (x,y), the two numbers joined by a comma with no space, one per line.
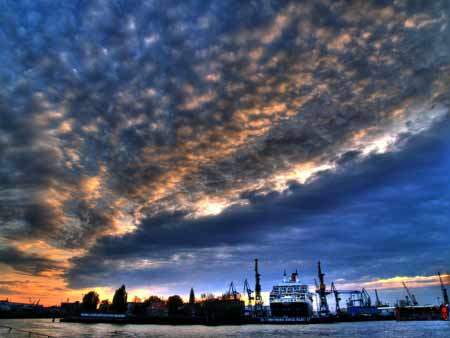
(151,136)
(372,218)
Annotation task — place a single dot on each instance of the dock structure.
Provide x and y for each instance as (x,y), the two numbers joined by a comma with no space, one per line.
(290,303)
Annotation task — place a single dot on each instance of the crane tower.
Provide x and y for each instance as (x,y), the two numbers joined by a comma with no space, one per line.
(444,290)
(324,310)
(258,297)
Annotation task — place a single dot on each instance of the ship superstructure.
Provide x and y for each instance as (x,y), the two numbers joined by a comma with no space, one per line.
(291,298)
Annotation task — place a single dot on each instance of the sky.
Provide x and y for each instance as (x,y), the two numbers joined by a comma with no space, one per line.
(166,144)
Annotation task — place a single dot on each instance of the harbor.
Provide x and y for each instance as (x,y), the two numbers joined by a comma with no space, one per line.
(290,302)
(207,168)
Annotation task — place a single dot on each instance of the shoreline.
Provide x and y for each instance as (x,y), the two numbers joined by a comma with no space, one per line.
(199,321)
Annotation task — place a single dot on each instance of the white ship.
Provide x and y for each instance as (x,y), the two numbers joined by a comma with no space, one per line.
(291,299)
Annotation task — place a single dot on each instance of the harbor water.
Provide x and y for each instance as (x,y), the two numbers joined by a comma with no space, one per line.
(387,329)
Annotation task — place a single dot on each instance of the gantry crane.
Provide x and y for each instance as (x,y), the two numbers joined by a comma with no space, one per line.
(378,302)
(367,301)
(337,298)
(377,299)
(356,297)
(411,297)
(444,290)
(324,310)
(258,298)
(249,292)
(232,294)
(232,291)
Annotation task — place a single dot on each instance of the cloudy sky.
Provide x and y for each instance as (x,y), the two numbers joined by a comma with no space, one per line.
(166,144)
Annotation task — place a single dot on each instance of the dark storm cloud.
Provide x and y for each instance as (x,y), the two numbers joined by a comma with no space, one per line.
(361,216)
(123,114)
(25,262)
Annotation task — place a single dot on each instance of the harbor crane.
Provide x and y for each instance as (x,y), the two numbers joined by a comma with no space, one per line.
(324,310)
(444,290)
(377,299)
(356,297)
(232,293)
(337,298)
(378,302)
(249,292)
(258,297)
(34,303)
(367,301)
(411,298)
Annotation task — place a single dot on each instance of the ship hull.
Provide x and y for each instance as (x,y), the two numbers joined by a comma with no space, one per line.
(291,309)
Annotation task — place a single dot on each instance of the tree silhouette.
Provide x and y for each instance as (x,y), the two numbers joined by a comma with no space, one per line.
(119,303)
(104,306)
(192,296)
(152,299)
(174,304)
(90,301)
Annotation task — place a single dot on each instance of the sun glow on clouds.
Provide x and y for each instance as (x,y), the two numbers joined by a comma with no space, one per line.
(214,205)
(411,120)
(397,282)
(211,206)
(37,247)
(300,173)
(144,293)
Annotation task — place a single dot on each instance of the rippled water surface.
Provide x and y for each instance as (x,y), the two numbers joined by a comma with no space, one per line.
(434,329)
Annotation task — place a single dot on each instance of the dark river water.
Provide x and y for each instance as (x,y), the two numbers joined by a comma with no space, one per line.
(432,329)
